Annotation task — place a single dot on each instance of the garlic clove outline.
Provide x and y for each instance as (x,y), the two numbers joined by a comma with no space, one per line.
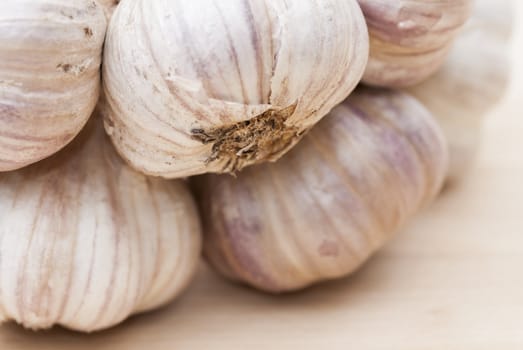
(409,40)
(472,81)
(330,203)
(50,56)
(206,86)
(85,241)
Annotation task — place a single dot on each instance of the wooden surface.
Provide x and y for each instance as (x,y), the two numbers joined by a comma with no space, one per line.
(452,280)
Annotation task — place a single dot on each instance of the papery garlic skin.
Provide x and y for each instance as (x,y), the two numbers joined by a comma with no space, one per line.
(50,56)
(85,241)
(214,86)
(323,209)
(471,82)
(109,6)
(409,40)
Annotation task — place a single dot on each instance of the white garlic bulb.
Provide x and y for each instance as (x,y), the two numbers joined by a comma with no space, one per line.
(409,40)
(85,241)
(325,207)
(471,82)
(214,86)
(50,55)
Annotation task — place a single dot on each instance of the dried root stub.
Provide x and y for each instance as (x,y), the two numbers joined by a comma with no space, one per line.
(322,210)
(50,55)
(264,137)
(215,86)
(86,241)
(409,40)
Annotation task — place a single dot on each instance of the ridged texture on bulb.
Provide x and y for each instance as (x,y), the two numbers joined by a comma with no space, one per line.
(409,39)
(85,241)
(336,198)
(214,86)
(50,55)
(471,82)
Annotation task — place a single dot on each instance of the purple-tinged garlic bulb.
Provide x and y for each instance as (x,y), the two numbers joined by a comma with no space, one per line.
(471,82)
(50,55)
(214,86)
(327,206)
(86,241)
(409,40)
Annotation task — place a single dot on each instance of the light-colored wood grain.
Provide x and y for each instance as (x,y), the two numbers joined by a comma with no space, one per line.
(452,280)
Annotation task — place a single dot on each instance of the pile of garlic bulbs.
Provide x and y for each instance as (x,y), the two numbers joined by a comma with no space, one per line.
(99,96)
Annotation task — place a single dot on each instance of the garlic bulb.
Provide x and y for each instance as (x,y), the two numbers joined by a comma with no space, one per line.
(85,240)
(50,54)
(323,209)
(214,86)
(471,82)
(109,6)
(409,40)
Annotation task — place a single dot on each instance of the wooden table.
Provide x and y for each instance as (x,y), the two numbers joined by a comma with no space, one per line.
(452,280)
